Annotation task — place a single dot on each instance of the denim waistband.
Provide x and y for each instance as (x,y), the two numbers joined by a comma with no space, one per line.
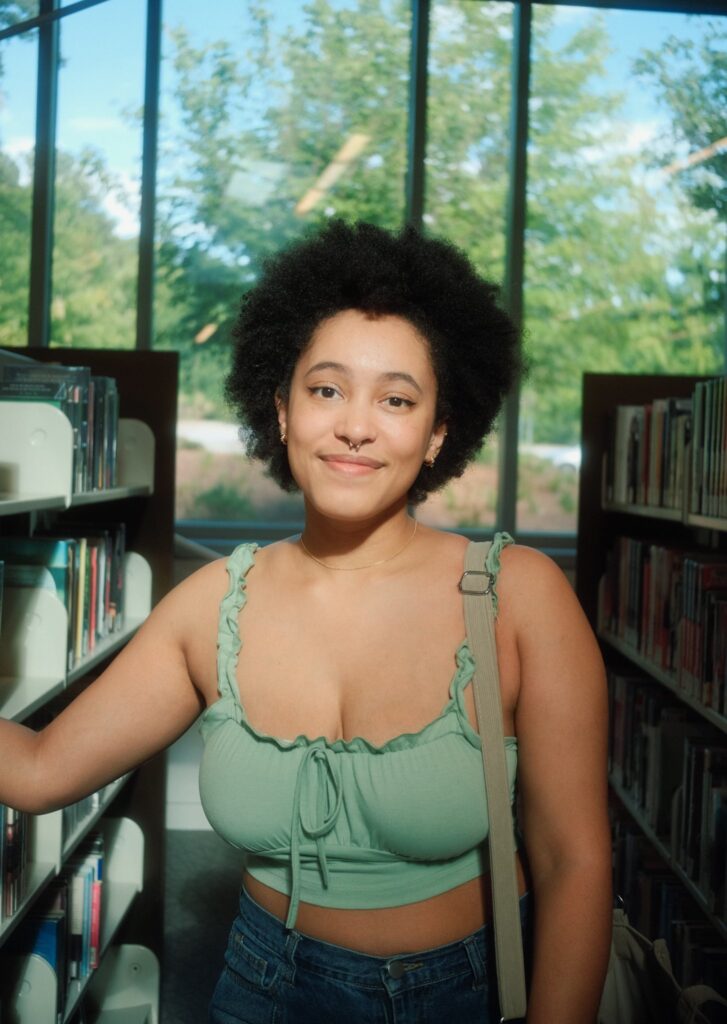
(471,952)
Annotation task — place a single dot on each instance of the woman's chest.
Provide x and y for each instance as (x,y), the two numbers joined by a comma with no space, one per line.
(374,668)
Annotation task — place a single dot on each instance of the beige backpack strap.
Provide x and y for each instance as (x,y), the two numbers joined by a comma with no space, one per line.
(476,587)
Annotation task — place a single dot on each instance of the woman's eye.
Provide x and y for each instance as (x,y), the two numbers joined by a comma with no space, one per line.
(397,402)
(324,391)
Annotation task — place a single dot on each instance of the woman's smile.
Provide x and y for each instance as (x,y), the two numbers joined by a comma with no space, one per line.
(351,465)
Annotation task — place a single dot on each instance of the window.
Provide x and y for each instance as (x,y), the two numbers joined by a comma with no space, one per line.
(276,115)
(625,251)
(466,167)
(271,120)
(98,171)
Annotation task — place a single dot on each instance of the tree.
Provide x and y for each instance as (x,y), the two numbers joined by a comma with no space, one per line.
(605,288)
(690,78)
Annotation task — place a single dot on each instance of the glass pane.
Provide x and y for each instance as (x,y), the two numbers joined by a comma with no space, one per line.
(18,60)
(274,117)
(12,12)
(625,248)
(98,171)
(468,129)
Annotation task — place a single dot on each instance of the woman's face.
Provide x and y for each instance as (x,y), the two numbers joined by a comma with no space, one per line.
(360,415)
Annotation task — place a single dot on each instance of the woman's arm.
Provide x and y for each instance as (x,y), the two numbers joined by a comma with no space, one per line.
(561,724)
(142,702)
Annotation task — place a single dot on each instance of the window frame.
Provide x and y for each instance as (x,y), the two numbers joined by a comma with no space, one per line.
(219,534)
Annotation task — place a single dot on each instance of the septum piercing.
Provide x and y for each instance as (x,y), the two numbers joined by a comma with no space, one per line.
(354,447)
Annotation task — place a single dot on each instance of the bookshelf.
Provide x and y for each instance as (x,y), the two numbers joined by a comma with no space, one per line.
(35,489)
(601,523)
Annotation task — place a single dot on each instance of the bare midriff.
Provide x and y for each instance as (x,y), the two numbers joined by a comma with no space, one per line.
(387,931)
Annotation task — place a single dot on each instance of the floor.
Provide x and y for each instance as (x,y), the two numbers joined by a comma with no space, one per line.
(202,884)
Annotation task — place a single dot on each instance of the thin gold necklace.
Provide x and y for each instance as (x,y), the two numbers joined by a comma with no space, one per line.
(369,565)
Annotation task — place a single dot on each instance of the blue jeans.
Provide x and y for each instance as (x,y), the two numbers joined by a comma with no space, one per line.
(278,976)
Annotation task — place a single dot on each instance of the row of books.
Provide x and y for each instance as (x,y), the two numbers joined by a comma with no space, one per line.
(659,906)
(646,457)
(91,403)
(14,859)
(65,930)
(670,605)
(673,767)
(84,566)
(73,816)
(708,490)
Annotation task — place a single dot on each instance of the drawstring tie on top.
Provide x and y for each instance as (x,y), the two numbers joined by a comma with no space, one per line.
(319,770)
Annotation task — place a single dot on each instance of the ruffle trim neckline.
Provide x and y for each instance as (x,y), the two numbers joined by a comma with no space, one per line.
(229,705)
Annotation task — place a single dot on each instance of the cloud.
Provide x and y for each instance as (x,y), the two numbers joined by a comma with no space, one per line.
(123,207)
(93,124)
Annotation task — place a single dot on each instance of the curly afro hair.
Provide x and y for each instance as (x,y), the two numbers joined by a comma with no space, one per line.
(474,345)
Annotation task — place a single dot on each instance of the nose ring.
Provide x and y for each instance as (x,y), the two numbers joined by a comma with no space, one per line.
(354,447)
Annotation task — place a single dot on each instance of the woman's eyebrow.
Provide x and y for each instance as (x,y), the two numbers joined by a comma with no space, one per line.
(328,364)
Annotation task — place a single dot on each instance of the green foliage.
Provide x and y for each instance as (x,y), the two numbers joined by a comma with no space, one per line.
(607,286)
(94,270)
(690,79)
(619,275)
(15,216)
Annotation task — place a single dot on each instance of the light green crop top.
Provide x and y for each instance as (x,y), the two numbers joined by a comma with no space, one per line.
(346,823)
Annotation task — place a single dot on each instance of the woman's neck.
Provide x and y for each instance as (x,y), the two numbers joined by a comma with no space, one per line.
(344,545)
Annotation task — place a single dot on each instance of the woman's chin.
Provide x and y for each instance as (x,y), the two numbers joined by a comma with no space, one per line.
(351,508)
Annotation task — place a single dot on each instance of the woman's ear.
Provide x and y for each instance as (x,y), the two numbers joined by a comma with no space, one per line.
(282,409)
(435,443)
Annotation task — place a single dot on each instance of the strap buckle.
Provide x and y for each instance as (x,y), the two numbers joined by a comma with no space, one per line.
(477,591)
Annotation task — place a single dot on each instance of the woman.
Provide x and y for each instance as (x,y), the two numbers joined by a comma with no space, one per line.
(341,746)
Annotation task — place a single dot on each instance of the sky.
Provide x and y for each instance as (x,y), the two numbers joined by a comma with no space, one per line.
(101,80)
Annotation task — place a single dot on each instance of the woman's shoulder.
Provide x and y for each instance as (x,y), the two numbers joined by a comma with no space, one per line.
(535,593)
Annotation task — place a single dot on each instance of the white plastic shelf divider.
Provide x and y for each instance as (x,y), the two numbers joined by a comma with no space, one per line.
(125,988)
(33,660)
(36,451)
(135,452)
(29,984)
(36,460)
(123,879)
(33,651)
(13,504)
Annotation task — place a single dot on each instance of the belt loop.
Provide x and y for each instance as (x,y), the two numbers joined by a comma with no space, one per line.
(292,938)
(474,955)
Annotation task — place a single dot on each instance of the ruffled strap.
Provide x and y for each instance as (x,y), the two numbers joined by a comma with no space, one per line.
(228,634)
(492,562)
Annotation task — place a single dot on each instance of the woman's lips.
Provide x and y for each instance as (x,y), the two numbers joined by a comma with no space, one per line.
(352,464)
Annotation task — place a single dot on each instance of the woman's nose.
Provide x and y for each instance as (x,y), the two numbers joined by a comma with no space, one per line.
(356,425)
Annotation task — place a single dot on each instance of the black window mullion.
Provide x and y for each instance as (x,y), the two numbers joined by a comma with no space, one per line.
(515,256)
(417,132)
(41,248)
(145,285)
